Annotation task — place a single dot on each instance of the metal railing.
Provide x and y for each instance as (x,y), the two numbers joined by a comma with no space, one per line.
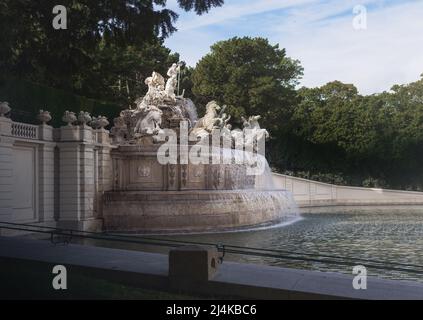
(65,236)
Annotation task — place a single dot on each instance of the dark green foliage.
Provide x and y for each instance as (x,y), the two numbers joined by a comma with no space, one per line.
(107,50)
(250,76)
(199,6)
(331,133)
(30,98)
(376,140)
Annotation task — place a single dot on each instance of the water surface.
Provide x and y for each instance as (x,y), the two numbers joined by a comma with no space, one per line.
(383,234)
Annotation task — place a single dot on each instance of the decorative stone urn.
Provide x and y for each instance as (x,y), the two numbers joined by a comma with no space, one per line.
(69,118)
(94,123)
(4,108)
(44,116)
(102,122)
(84,118)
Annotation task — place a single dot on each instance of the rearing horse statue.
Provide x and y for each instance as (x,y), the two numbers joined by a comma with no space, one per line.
(150,123)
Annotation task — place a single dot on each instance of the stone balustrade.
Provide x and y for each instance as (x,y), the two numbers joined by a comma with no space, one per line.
(53,176)
(23,130)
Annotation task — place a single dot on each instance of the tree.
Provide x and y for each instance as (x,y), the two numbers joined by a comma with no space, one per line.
(404,105)
(376,138)
(330,114)
(336,118)
(199,6)
(250,76)
(99,33)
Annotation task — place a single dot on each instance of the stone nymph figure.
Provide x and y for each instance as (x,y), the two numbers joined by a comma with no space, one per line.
(148,114)
(161,101)
(155,94)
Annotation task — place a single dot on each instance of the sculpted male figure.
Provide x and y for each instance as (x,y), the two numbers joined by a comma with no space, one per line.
(155,93)
(172,82)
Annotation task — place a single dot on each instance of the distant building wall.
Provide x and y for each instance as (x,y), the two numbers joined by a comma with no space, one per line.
(309,193)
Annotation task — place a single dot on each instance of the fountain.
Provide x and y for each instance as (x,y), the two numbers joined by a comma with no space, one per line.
(175,173)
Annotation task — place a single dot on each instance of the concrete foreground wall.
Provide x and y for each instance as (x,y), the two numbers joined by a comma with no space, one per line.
(309,193)
(230,280)
(54,177)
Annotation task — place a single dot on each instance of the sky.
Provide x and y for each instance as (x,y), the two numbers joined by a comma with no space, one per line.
(319,33)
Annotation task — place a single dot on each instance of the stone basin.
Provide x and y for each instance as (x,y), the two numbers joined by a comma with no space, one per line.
(194,210)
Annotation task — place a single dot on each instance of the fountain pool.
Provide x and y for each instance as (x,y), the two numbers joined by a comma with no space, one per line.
(383,234)
(393,234)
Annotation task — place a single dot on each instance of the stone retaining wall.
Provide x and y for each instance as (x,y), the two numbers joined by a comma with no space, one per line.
(53,177)
(309,193)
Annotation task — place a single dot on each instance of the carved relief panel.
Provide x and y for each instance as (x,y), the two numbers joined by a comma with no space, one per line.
(172,177)
(216,177)
(144,174)
(193,177)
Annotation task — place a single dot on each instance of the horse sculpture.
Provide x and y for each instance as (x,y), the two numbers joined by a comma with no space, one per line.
(254,134)
(149,122)
(206,124)
(251,133)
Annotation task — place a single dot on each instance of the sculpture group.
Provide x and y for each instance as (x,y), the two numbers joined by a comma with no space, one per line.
(161,104)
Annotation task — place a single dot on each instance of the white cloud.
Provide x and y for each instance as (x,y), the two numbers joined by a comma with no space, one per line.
(320,34)
(191,44)
(388,52)
(234,10)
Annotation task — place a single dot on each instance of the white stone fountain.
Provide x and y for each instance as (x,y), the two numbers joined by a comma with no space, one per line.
(150,196)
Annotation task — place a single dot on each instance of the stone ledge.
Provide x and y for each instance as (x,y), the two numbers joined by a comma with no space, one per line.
(150,270)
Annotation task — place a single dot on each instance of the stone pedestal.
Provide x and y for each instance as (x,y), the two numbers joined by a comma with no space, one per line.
(46,174)
(46,156)
(104,177)
(45,132)
(5,126)
(192,264)
(6,170)
(136,168)
(103,136)
(77,175)
(69,133)
(86,133)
